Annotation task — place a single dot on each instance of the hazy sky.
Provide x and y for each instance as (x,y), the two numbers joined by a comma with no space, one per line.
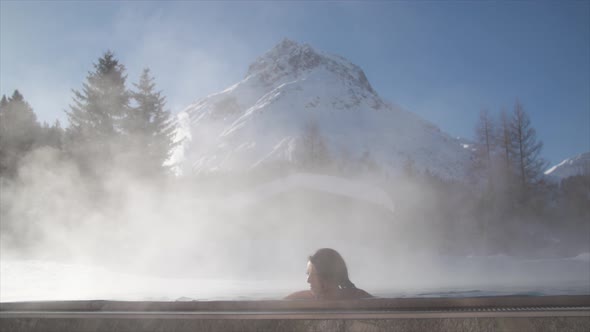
(443,60)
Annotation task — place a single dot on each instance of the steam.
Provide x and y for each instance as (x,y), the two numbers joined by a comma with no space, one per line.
(173,226)
(212,228)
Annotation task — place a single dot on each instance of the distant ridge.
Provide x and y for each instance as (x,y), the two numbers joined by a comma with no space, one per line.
(577,165)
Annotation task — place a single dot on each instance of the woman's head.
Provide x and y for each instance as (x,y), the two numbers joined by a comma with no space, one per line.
(327,270)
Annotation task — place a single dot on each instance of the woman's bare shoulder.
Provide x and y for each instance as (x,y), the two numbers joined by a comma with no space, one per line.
(301,295)
(356,293)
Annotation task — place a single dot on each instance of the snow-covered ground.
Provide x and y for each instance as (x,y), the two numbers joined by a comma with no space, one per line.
(36,280)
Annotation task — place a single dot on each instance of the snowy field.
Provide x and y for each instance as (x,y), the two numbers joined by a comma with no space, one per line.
(35,280)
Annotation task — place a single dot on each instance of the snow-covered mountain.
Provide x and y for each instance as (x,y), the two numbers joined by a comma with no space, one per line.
(578,165)
(261,119)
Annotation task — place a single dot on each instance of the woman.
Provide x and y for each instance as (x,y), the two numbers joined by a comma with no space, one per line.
(327,276)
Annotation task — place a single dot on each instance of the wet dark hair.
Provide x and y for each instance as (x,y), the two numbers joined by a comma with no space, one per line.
(330,266)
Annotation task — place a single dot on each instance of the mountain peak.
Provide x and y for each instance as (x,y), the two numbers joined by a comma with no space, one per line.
(288,46)
(286,55)
(290,58)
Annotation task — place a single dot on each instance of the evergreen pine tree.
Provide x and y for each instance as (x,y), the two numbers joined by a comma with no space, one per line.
(3,105)
(19,131)
(410,167)
(94,134)
(149,128)
(53,135)
(313,153)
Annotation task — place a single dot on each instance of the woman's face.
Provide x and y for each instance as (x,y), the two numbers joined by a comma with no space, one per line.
(315,283)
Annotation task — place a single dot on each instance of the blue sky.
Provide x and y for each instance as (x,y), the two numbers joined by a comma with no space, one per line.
(444,60)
